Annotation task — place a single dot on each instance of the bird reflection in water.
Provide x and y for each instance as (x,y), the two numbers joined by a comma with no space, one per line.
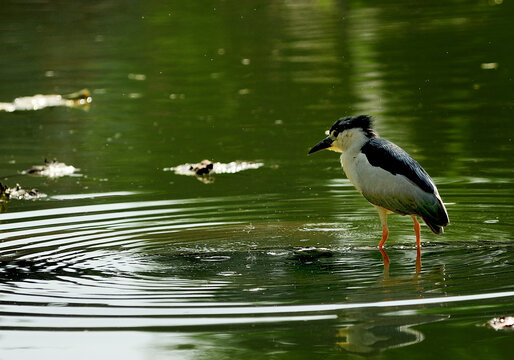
(386,261)
(373,331)
(374,336)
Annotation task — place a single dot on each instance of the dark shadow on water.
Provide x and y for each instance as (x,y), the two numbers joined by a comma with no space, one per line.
(13,270)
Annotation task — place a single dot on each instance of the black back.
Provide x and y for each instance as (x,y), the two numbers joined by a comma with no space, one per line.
(390,157)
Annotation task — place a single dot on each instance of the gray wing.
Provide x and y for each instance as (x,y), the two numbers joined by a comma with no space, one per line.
(392,158)
(412,193)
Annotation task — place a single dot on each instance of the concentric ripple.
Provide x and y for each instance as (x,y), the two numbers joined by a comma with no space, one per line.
(193,263)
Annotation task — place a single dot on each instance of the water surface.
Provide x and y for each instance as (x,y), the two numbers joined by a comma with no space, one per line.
(128,260)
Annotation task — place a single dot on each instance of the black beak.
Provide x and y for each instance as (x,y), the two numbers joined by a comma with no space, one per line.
(323,144)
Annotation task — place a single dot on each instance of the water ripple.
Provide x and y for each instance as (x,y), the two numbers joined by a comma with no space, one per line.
(205,262)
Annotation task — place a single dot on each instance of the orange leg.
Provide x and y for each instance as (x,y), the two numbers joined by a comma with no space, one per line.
(385,234)
(417,230)
(385,231)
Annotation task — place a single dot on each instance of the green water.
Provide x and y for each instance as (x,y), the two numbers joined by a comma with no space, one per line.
(129,261)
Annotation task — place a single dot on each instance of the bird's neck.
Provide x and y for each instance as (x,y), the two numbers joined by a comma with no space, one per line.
(353,140)
(351,144)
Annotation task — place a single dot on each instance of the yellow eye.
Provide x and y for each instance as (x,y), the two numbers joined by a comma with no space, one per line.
(327,132)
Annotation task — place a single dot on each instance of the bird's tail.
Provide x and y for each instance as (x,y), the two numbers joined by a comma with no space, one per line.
(436,220)
(436,229)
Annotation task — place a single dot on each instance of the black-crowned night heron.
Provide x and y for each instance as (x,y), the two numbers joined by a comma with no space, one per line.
(389,178)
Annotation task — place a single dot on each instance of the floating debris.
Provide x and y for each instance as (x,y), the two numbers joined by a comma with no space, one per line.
(502,323)
(138,77)
(17,192)
(51,169)
(177,96)
(489,66)
(206,167)
(203,168)
(37,102)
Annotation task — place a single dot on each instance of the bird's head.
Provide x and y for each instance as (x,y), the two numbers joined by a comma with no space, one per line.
(345,132)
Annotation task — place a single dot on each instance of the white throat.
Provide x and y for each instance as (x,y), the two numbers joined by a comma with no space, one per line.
(351,140)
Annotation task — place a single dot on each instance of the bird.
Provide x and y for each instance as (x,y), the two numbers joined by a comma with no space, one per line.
(385,174)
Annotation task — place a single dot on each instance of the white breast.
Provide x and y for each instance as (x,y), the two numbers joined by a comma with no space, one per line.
(355,166)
